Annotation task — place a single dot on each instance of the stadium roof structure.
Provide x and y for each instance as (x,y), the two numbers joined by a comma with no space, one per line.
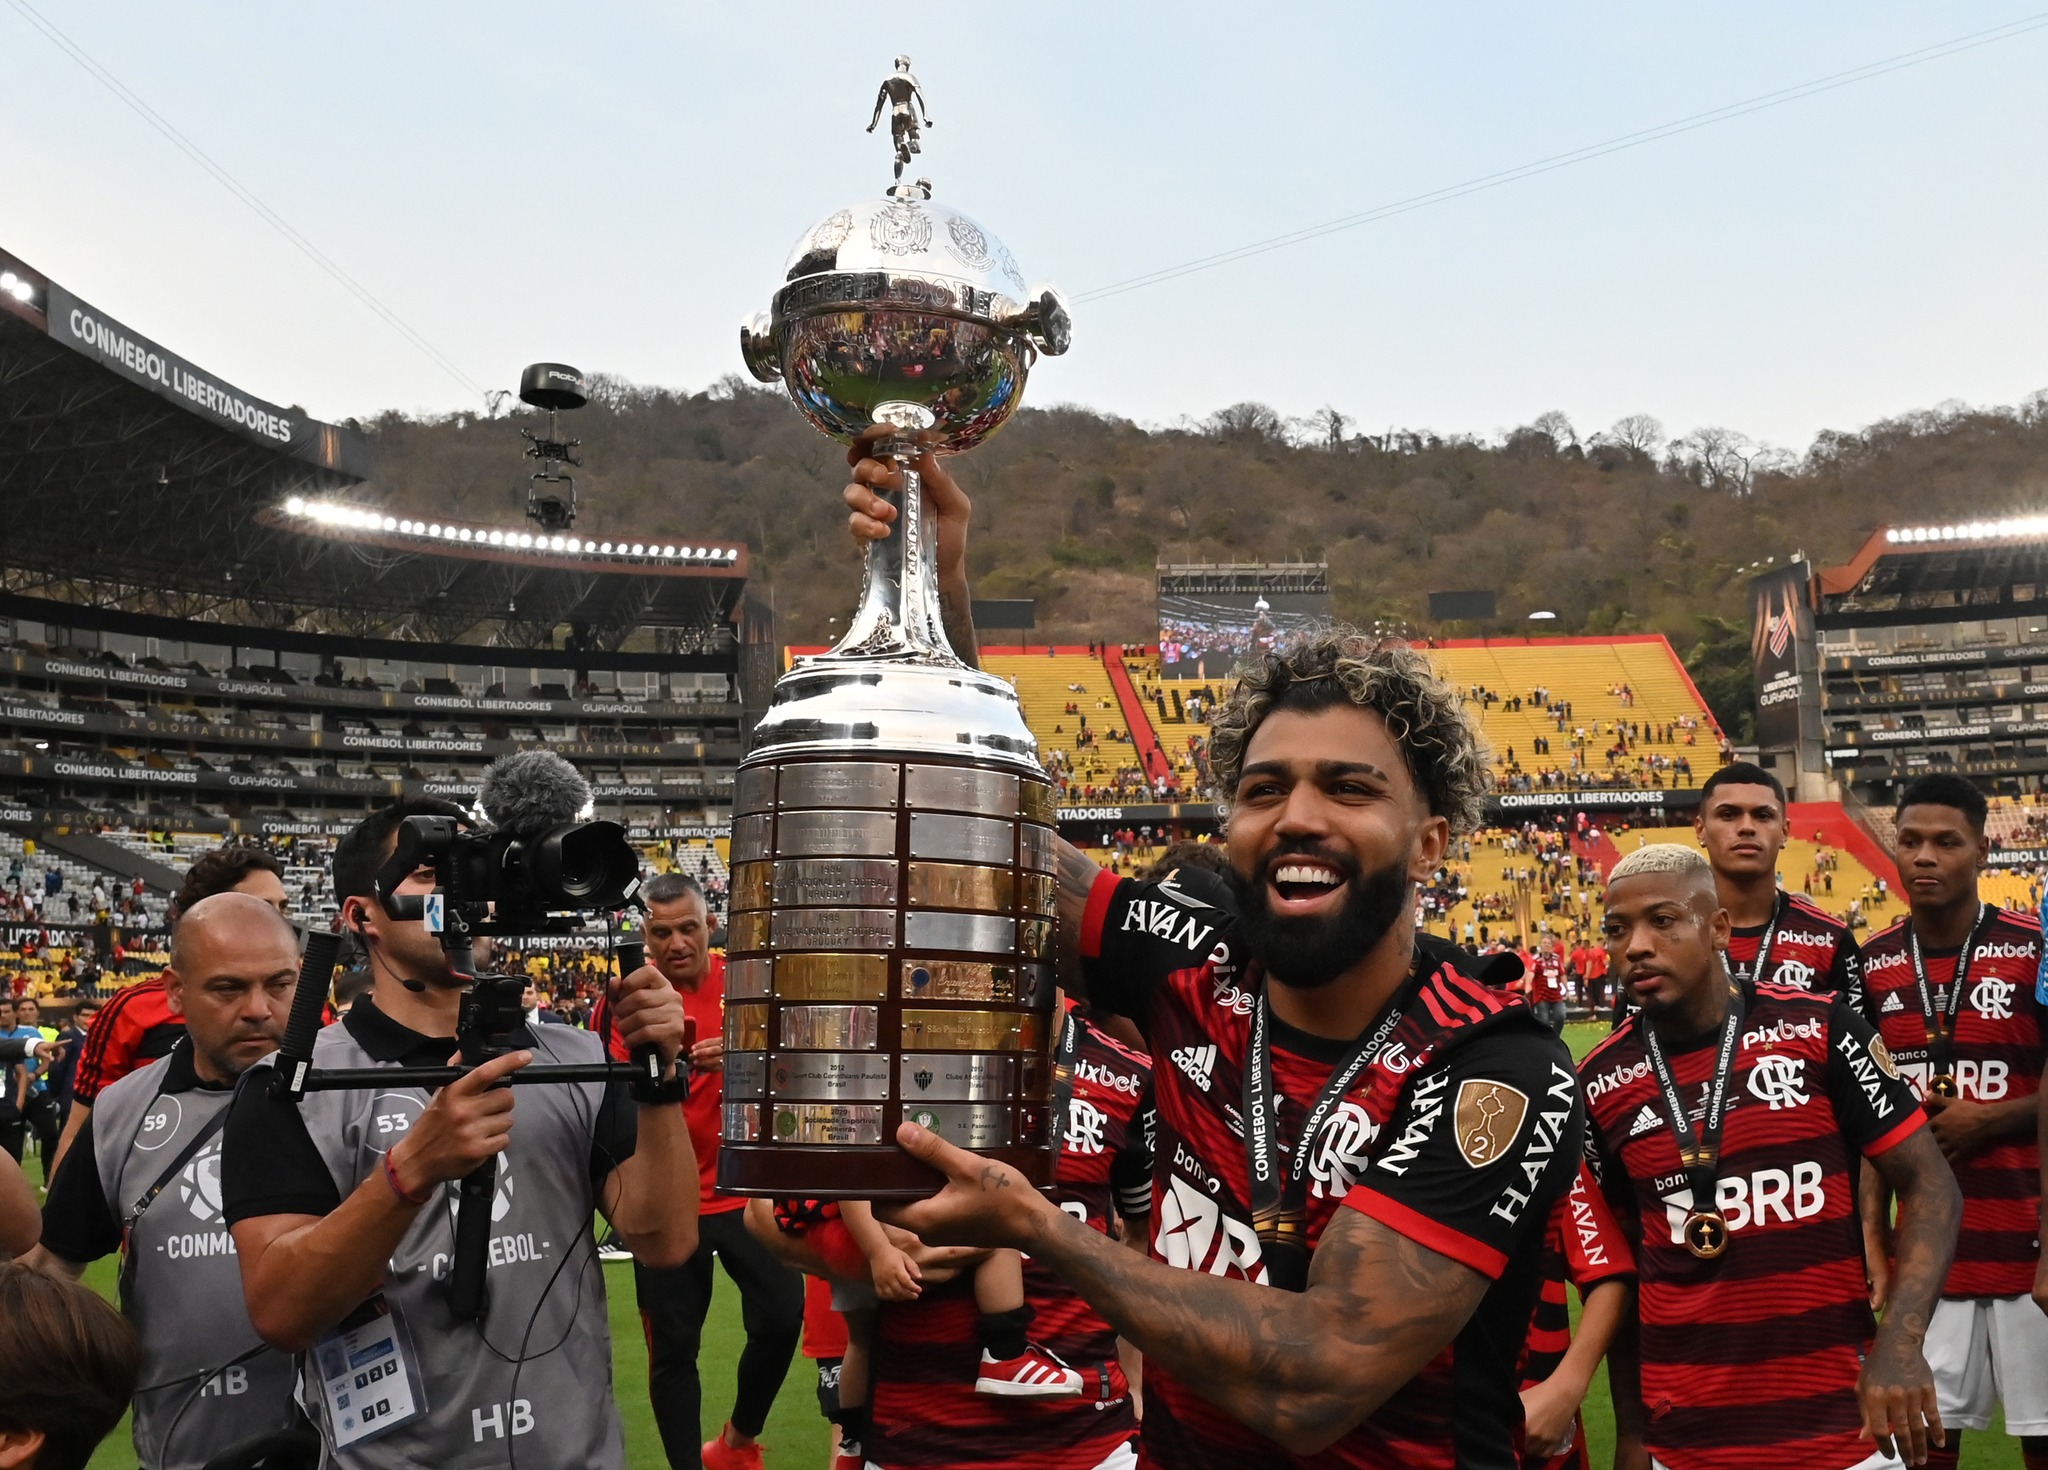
(130,478)
(1912,562)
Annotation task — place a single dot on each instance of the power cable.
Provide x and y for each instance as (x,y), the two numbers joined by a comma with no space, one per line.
(234,186)
(1591,151)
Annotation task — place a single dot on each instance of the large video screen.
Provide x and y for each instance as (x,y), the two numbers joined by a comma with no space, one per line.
(1205,636)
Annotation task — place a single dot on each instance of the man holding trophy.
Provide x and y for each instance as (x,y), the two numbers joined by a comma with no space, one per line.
(896,874)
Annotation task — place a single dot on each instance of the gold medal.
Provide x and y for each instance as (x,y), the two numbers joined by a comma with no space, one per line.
(1943,1085)
(1706,1233)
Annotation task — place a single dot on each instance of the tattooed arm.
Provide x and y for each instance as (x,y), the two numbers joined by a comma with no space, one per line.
(1896,1388)
(1302,1368)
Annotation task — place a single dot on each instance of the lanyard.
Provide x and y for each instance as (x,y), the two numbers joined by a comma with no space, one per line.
(1941,1028)
(1706,1232)
(1279,1207)
(1063,1078)
(1756,969)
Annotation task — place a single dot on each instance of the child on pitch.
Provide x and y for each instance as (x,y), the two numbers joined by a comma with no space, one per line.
(1011,1366)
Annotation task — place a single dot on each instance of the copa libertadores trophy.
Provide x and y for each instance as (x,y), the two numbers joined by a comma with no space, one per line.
(888,952)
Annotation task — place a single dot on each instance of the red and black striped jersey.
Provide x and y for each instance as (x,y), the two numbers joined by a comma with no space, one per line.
(1998,1054)
(1457,1135)
(1104,1170)
(926,1410)
(1749,1361)
(132,1030)
(1583,1246)
(927,1415)
(1811,949)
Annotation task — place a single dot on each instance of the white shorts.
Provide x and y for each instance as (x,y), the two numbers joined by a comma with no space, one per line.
(1986,1351)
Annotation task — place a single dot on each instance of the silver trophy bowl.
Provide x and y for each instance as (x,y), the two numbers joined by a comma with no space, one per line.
(889,949)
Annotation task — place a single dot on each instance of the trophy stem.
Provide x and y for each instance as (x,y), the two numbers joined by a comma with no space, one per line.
(899,616)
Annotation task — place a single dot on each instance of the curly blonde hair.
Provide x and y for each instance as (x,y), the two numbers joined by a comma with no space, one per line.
(1447,754)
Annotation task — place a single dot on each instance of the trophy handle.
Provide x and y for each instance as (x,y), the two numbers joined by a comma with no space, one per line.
(899,615)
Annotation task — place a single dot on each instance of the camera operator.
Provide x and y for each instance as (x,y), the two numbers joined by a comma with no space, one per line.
(145,1169)
(341,1210)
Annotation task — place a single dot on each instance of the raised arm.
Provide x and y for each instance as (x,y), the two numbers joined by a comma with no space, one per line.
(869,518)
(1302,1368)
(1896,1387)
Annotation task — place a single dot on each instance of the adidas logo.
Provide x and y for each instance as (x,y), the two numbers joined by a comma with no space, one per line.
(1197,1061)
(1891,1003)
(1645,1121)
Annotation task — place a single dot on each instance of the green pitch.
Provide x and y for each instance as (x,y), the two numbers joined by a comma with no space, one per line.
(797,1439)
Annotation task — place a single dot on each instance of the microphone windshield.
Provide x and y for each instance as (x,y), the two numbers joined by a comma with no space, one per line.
(531,791)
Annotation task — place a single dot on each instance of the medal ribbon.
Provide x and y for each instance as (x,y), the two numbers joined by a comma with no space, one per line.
(1700,1152)
(1755,970)
(1063,1078)
(1941,1027)
(1279,1205)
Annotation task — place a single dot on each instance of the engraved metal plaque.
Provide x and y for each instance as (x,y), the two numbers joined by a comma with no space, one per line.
(833,1075)
(962,839)
(939,1077)
(961,886)
(831,976)
(750,885)
(742,1122)
(746,1028)
(833,1028)
(833,928)
(840,1123)
(746,1074)
(750,837)
(1037,802)
(747,931)
(978,933)
(840,882)
(835,834)
(749,979)
(972,1030)
(958,980)
(970,1125)
(838,783)
(753,790)
(1035,848)
(960,789)
(1037,893)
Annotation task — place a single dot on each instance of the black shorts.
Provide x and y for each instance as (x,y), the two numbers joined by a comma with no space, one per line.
(828,1386)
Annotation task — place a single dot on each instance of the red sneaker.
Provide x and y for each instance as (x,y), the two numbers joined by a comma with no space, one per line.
(1033,1374)
(718,1455)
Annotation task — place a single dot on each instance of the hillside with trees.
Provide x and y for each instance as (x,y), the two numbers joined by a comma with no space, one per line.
(1616,530)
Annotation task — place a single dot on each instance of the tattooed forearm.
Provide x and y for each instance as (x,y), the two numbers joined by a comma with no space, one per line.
(956,616)
(1924,1240)
(1303,1369)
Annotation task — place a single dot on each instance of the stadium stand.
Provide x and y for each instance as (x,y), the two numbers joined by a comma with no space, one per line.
(1614,712)
(1071,705)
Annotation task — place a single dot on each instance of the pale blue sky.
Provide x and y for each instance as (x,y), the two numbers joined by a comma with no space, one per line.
(615,185)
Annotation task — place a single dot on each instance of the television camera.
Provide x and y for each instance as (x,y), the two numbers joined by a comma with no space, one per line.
(535,866)
(550,494)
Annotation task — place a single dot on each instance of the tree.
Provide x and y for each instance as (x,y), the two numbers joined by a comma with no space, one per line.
(1727,459)
(1246,422)
(1638,432)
